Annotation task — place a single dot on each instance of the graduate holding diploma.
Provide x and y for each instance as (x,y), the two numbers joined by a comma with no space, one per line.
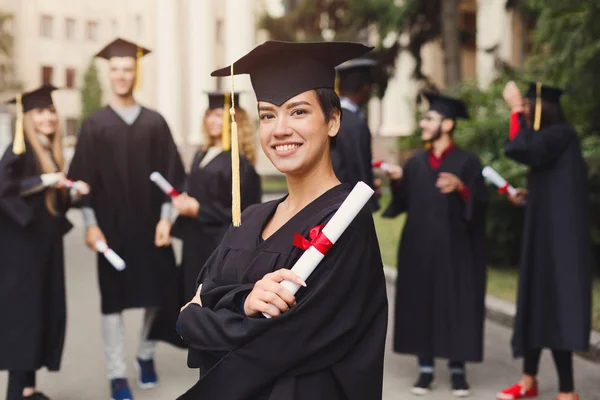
(326,341)
(33,201)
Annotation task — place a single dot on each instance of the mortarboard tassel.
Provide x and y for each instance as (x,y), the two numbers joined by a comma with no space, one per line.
(226,135)
(138,68)
(336,85)
(236,212)
(19,140)
(538,106)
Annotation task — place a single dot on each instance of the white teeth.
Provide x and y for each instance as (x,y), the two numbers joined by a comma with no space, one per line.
(286,147)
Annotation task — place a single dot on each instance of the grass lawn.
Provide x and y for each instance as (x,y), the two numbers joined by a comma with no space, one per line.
(501,283)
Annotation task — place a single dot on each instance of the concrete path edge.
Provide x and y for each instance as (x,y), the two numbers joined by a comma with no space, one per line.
(503,312)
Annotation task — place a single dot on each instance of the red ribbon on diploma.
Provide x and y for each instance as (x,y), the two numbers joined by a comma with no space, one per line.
(377,163)
(503,189)
(317,239)
(173,193)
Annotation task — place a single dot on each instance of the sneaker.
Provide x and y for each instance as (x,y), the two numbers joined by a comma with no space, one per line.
(147,374)
(120,389)
(518,392)
(460,387)
(423,385)
(37,396)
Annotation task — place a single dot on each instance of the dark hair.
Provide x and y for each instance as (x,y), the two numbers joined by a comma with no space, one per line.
(330,105)
(552,113)
(353,82)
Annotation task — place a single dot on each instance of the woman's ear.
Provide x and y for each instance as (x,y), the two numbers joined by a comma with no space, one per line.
(334,123)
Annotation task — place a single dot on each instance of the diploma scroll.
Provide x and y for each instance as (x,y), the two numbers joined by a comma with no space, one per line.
(381,165)
(163,184)
(491,175)
(110,255)
(343,217)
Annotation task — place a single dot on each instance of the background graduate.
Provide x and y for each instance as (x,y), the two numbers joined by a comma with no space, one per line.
(33,202)
(327,342)
(554,299)
(118,147)
(440,290)
(352,155)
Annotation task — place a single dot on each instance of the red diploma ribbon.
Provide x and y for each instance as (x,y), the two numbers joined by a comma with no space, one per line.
(173,193)
(503,189)
(317,239)
(377,163)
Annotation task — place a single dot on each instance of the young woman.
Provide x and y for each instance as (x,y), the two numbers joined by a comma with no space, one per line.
(554,301)
(327,341)
(32,224)
(205,208)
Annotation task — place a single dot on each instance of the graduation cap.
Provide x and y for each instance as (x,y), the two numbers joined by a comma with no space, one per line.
(279,71)
(539,92)
(362,66)
(447,106)
(223,100)
(38,98)
(122,48)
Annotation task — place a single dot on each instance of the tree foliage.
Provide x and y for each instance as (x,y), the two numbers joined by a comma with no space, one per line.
(91,91)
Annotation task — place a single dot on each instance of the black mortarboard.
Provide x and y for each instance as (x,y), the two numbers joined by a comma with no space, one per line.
(38,98)
(281,70)
(447,106)
(217,99)
(538,92)
(548,93)
(122,48)
(356,64)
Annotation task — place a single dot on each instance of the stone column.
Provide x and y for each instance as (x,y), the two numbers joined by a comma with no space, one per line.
(201,59)
(168,62)
(493,29)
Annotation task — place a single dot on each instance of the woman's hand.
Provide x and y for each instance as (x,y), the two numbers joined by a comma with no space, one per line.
(519,198)
(269,296)
(81,188)
(186,205)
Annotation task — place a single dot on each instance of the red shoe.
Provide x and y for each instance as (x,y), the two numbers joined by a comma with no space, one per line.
(518,392)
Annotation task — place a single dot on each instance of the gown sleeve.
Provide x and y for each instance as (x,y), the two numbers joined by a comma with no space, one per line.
(537,148)
(81,168)
(11,202)
(345,294)
(400,192)
(475,204)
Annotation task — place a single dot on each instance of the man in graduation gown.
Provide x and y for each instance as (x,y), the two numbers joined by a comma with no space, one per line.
(118,148)
(441,262)
(351,156)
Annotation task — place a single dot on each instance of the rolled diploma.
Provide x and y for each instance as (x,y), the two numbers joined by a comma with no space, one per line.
(162,183)
(490,174)
(343,217)
(380,164)
(110,255)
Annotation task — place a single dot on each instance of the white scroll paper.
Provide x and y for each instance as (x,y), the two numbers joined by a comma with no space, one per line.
(110,255)
(491,175)
(343,217)
(163,184)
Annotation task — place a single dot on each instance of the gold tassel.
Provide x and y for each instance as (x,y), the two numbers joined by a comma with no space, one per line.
(236,208)
(226,135)
(138,69)
(336,85)
(538,106)
(19,140)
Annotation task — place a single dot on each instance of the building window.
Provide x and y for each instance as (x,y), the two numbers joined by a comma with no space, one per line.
(47,75)
(46,26)
(70,77)
(71,126)
(219,31)
(70,29)
(92,31)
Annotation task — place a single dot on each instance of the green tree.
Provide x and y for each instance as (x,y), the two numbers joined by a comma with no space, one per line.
(91,92)
(8,79)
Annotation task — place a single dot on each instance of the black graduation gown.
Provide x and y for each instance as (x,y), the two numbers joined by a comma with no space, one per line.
(117,159)
(211,186)
(440,289)
(32,283)
(329,346)
(352,156)
(554,300)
